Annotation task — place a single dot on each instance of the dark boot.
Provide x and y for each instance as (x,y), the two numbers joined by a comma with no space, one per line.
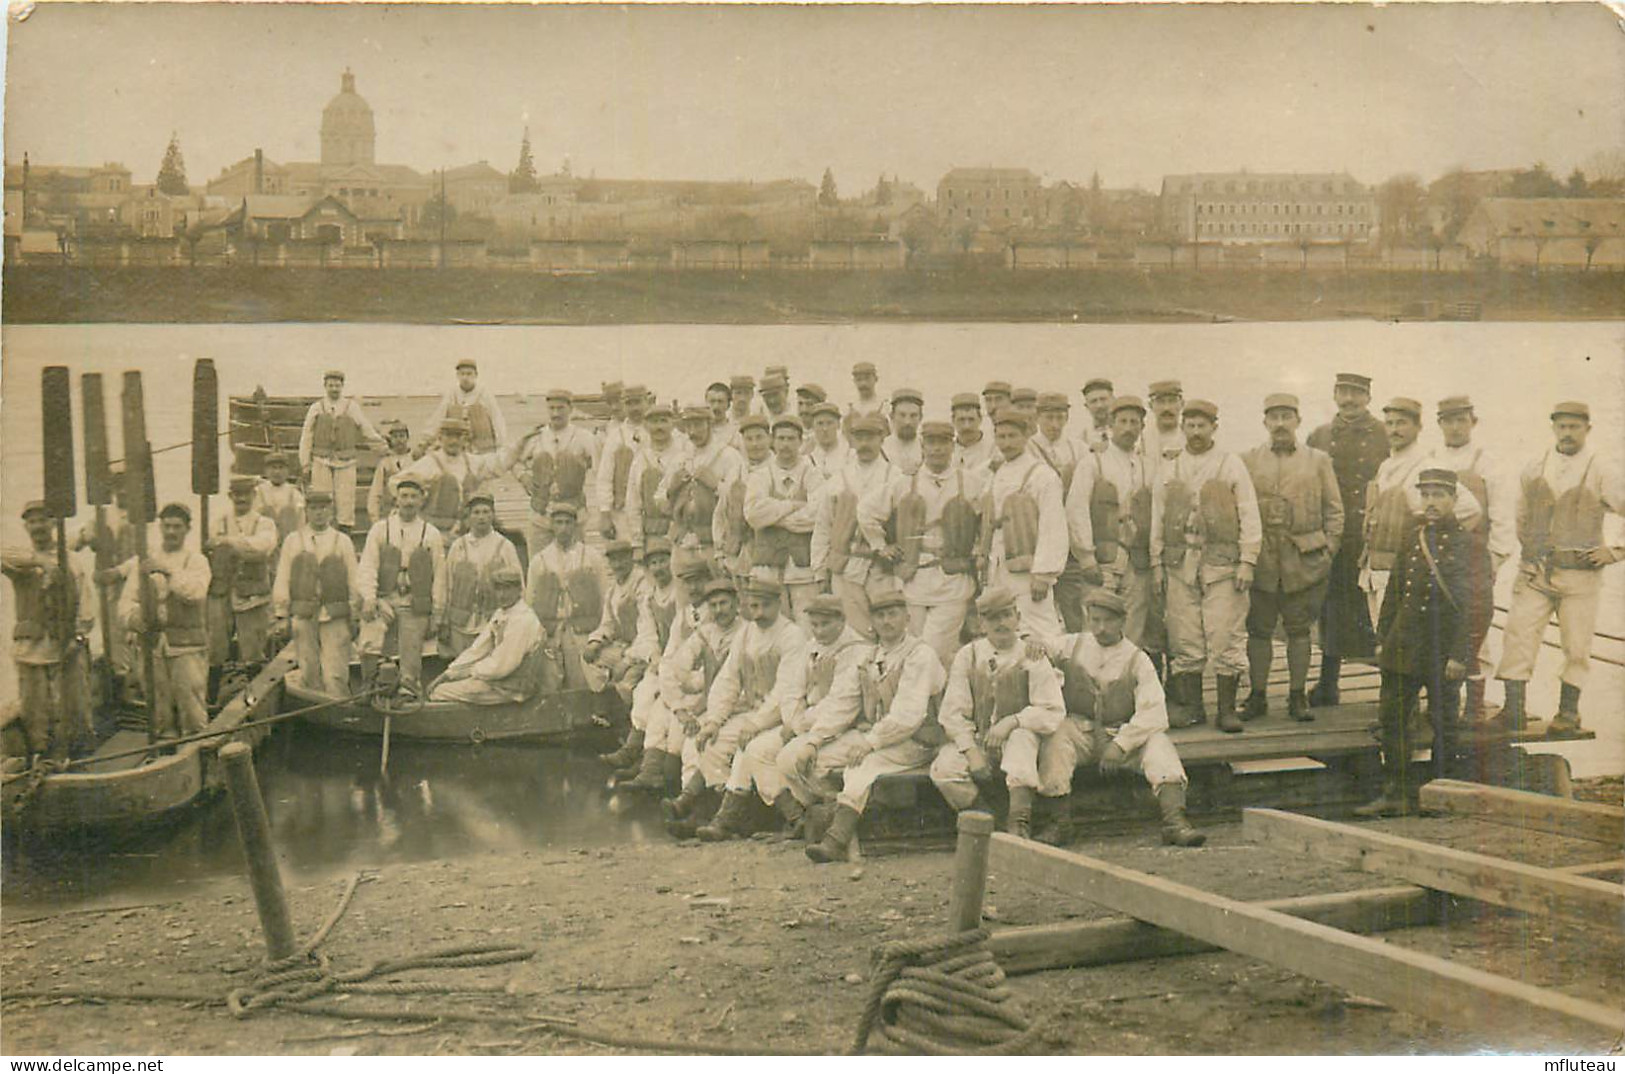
(1053,821)
(1227,721)
(1260,651)
(732,820)
(679,812)
(1019,821)
(217,671)
(1256,707)
(671,773)
(1185,693)
(1176,827)
(1391,803)
(1566,724)
(1297,663)
(792,813)
(1326,692)
(1512,718)
(1193,698)
(839,836)
(651,775)
(630,752)
(1472,704)
(1297,707)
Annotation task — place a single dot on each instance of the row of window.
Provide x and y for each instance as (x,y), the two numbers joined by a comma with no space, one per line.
(987,194)
(1290,209)
(1254,186)
(1211,228)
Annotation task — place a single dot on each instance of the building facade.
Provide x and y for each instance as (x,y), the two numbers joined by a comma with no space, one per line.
(996,198)
(1249,207)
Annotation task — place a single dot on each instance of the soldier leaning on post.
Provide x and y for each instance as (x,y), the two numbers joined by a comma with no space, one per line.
(1302,516)
(316,595)
(902,446)
(1117,719)
(179,581)
(335,430)
(53,613)
(239,551)
(466,592)
(502,665)
(1108,511)
(402,596)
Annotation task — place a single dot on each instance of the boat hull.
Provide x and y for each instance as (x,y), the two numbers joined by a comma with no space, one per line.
(565,718)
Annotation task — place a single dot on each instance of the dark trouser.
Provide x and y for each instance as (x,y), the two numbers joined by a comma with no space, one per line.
(1397,704)
(1069,592)
(1345,620)
(1296,613)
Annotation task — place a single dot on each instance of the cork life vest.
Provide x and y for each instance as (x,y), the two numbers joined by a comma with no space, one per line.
(534,672)
(468,591)
(1018,521)
(443,498)
(231,573)
(388,467)
(995,694)
(334,436)
(757,675)
(1109,704)
(711,660)
(287,514)
(1208,521)
(663,609)
(694,501)
(656,517)
(906,527)
(735,530)
(586,594)
(625,611)
(1388,521)
(417,580)
(876,693)
(776,546)
(620,475)
(961,524)
(482,432)
(44,605)
(182,625)
(1558,530)
(1105,510)
(570,478)
(317,584)
(1063,470)
(542,466)
(821,670)
(1472,480)
(843,525)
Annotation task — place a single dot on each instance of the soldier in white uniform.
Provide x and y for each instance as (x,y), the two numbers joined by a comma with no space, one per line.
(973,446)
(1108,515)
(1026,519)
(553,463)
(648,509)
(474,404)
(179,578)
(500,667)
(399,577)
(467,593)
(613,479)
(240,552)
(1097,398)
(317,588)
(902,447)
(53,613)
(781,507)
(842,555)
(335,430)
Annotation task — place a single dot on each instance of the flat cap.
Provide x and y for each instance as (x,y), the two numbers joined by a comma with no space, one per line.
(814,392)
(1438,477)
(1126,402)
(176,510)
(396,425)
(720,585)
(564,394)
(694,567)
(824,409)
(1001,387)
(825,604)
(781,370)
(864,367)
(333,374)
(612,389)
(1572,408)
(1096,384)
(741,381)
(718,386)
(1024,395)
(243,484)
(1202,408)
(481,497)
(411,481)
(753,421)
(697,413)
(656,546)
(659,410)
(1353,380)
(790,421)
(1165,387)
(764,587)
(889,598)
(506,576)
(563,507)
(1009,415)
(1454,404)
(996,601)
(942,430)
(964,399)
(34,507)
(908,395)
(468,363)
(1404,405)
(618,547)
(1280,401)
(453,425)
(1054,401)
(869,423)
(1105,598)
(278,458)
(775,382)
(318,498)
(634,391)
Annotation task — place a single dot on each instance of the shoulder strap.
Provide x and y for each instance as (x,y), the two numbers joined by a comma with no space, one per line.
(1433,565)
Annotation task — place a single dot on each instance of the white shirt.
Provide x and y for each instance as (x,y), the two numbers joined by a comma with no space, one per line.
(482,395)
(345,407)
(1108,664)
(1124,469)
(931,585)
(789,642)
(907,455)
(503,644)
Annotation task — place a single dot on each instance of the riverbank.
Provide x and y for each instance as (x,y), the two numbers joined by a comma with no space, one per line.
(38,294)
(747,945)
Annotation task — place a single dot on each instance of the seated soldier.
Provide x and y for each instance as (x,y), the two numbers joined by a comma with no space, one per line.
(999,704)
(612,656)
(500,667)
(883,724)
(660,770)
(1117,718)
(686,677)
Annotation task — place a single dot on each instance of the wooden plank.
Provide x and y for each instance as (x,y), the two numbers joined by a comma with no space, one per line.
(1031,948)
(1512,884)
(1404,979)
(1536,812)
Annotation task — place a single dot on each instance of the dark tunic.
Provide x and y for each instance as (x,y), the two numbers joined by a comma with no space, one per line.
(1423,623)
(1357,448)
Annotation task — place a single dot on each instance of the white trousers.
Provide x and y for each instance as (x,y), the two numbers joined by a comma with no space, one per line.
(1075,745)
(340,481)
(1570,595)
(938,625)
(1018,761)
(323,651)
(1207,626)
(858,774)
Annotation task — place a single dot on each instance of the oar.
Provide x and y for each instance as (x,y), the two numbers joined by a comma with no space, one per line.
(56,396)
(99,492)
(142,495)
(205,439)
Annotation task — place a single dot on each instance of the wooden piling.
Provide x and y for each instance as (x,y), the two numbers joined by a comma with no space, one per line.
(970,871)
(254,829)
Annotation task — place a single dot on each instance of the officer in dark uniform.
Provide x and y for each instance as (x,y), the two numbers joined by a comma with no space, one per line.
(1357,443)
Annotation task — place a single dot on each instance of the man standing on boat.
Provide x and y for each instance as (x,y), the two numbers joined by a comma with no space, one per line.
(613,478)
(477,406)
(450,474)
(179,581)
(500,667)
(902,447)
(841,553)
(317,589)
(1108,513)
(649,511)
(399,578)
(279,499)
(467,593)
(120,536)
(565,588)
(553,462)
(53,614)
(397,457)
(334,432)
(240,553)
(781,508)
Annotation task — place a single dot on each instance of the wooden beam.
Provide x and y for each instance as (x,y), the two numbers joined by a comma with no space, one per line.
(1535,812)
(1407,980)
(1031,948)
(1512,884)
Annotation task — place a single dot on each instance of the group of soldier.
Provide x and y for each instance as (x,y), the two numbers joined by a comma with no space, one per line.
(792,599)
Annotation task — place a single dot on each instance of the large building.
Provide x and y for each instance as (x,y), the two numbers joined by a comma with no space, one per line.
(996,198)
(1254,207)
(1582,233)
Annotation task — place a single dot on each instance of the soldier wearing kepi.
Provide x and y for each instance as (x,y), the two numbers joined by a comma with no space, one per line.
(902,447)
(501,666)
(553,463)
(1162,440)
(658,458)
(807,397)
(335,429)
(1302,516)
(693,488)
(474,404)
(450,474)
(1357,443)
(973,447)
(1117,718)
(402,595)
(565,588)
(828,451)
(614,475)
(926,526)
(317,588)
(53,613)
(240,552)
(730,532)
(397,457)
(883,724)
(279,500)
(179,579)
(1431,609)
(841,553)
(1097,397)
(781,508)
(1024,527)
(467,594)
(775,397)
(865,378)
(1108,513)
(1205,536)
(1051,411)
(999,704)
(1563,502)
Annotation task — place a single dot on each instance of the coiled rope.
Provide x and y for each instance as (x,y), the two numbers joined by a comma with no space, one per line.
(942,997)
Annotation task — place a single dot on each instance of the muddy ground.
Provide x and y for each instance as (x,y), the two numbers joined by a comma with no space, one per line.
(749,946)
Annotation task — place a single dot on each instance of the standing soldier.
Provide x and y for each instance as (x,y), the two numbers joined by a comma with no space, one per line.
(1024,527)
(399,579)
(730,532)
(718,396)
(807,397)
(1484,475)
(693,489)
(119,536)
(1163,440)
(1357,443)
(1052,412)
(317,589)
(1431,608)
(865,378)
(335,430)
(613,395)
(613,479)
(450,474)
(1565,497)
(926,525)
(775,397)
(239,607)
(658,458)
(742,387)
(828,451)
(475,405)
(902,447)
(1097,398)
(973,446)
(565,587)
(278,500)
(380,497)
(995,397)
(554,461)
(999,705)
(1108,514)
(1302,518)
(179,579)
(841,554)
(1205,536)
(53,613)
(467,594)
(781,507)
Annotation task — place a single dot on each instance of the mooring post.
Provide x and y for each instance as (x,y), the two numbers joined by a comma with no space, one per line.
(970,871)
(254,829)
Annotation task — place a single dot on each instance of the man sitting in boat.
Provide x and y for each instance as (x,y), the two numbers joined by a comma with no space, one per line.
(179,588)
(278,500)
(553,464)
(53,614)
(397,457)
(566,590)
(335,429)
(501,666)
(473,403)
(450,474)
(400,596)
(239,551)
(317,589)
(467,598)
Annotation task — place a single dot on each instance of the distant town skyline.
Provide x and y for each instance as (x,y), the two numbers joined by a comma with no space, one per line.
(754,93)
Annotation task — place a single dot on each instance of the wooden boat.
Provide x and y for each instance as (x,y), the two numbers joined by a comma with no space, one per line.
(127,789)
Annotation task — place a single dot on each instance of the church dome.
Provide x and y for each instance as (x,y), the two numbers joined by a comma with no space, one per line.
(348,134)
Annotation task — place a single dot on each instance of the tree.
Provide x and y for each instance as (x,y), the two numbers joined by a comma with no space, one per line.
(1400,209)
(522,180)
(1536,182)
(1578,187)
(1453,196)
(437,210)
(172,172)
(827,197)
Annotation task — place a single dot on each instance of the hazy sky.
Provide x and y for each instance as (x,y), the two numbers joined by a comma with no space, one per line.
(714,93)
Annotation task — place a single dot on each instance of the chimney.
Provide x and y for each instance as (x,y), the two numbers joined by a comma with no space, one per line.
(347,81)
(259,171)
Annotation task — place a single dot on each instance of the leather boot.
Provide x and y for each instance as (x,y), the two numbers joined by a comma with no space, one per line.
(1019,822)
(732,820)
(629,752)
(1391,803)
(1185,710)
(651,775)
(1193,698)
(1176,827)
(1472,702)
(1326,692)
(1227,721)
(680,810)
(1256,707)
(671,773)
(1512,718)
(837,838)
(1260,652)
(1297,707)
(1566,724)
(792,813)
(1053,821)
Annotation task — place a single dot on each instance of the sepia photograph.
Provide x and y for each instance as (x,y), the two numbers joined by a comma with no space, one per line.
(836,529)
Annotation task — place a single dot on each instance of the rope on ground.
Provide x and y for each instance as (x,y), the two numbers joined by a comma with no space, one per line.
(942,997)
